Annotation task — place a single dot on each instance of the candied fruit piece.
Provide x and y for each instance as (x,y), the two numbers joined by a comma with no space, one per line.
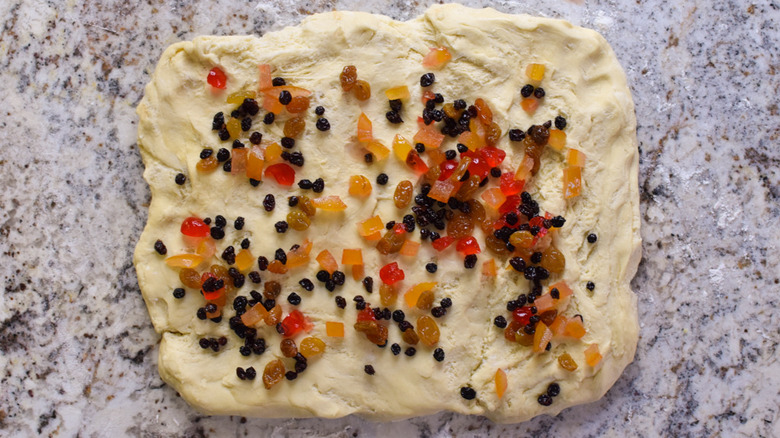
(500,382)
(314,346)
(194,227)
(358,272)
(567,362)
(255,163)
(413,294)
(274,316)
(273,153)
(244,260)
(391,273)
(442,190)
(428,330)
(401,147)
(190,261)
(493,156)
(396,93)
(489,268)
(294,127)
(493,197)
(208,164)
(327,261)
(572,182)
(364,129)
(387,294)
(542,337)
(535,72)
(530,104)
(298,220)
(442,243)
(300,255)
(254,315)
(471,140)
(523,172)
(404,192)
(428,95)
(352,256)
(333,329)
(238,161)
(592,355)
(379,150)
(511,186)
(483,112)
(265,80)
(429,136)
(294,323)
(282,173)
(277,267)
(468,246)
(298,104)
(273,373)
(217,78)
(557,139)
(348,77)
(271,101)
(329,203)
(575,158)
(409,248)
(416,163)
(370,226)
(362,90)
(436,58)
(359,185)
(574,328)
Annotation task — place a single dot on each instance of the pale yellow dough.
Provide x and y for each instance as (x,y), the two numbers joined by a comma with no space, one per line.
(584,82)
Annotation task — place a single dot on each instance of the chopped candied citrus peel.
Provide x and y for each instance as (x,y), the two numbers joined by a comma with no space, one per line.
(572,182)
(542,337)
(327,261)
(567,362)
(493,197)
(399,92)
(254,315)
(371,226)
(234,127)
(379,150)
(592,355)
(535,72)
(206,248)
(429,136)
(238,161)
(352,256)
(575,158)
(523,172)
(329,203)
(413,294)
(190,261)
(334,329)
(484,112)
(530,104)
(358,272)
(239,96)
(300,255)
(277,267)
(471,140)
(254,163)
(416,163)
(574,328)
(207,165)
(500,382)
(442,190)
(359,185)
(436,58)
(265,79)
(401,147)
(244,260)
(547,302)
(410,248)
(557,139)
(364,129)
(489,268)
(271,102)
(273,153)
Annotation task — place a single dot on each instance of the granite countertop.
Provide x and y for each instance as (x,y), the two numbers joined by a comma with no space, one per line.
(77,350)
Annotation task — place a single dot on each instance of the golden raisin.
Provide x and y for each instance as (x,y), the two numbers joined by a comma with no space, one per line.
(288,348)
(477,212)
(311,346)
(553,260)
(567,362)
(468,188)
(298,220)
(460,226)
(433,173)
(273,373)
(410,337)
(362,90)
(533,150)
(190,278)
(492,134)
(375,332)
(271,290)
(425,301)
(387,295)
(496,245)
(207,164)
(298,104)
(521,239)
(294,126)
(390,243)
(427,330)
(304,203)
(404,192)
(348,77)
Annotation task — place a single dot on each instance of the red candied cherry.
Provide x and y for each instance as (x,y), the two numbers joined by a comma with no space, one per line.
(217,78)
(493,155)
(509,185)
(447,169)
(194,227)
(442,243)
(282,173)
(522,315)
(391,273)
(468,245)
(366,314)
(294,323)
(511,204)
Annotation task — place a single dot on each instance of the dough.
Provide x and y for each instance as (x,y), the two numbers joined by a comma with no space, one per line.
(490,50)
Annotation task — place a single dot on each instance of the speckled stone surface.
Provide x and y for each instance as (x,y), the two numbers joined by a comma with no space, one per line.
(77,349)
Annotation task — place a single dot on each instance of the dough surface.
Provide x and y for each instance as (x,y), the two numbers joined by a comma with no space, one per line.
(583,81)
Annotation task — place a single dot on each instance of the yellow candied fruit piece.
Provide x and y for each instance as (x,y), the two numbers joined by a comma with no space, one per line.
(359,185)
(334,329)
(239,96)
(501,382)
(557,139)
(352,256)
(234,128)
(329,203)
(379,150)
(592,355)
(364,129)
(535,72)
(572,182)
(190,261)
(371,226)
(575,158)
(244,260)
(327,261)
(401,147)
(399,92)
(409,248)
(313,346)
(273,153)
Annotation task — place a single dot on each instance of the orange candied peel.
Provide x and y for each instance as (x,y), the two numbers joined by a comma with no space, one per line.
(401,147)
(575,158)
(329,203)
(436,58)
(396,93)
(413,294)
(371,226)
(592,355)
(379,150)
(254,163)
(409,248)
(429,136)
(572,182)
(542,337)
(489,268)
(327,261)
(359,185)
(190,261)
(244,260)
(535,72)
(500,382)
(364,129)
(557,139)
(334,329)
(529,104)
(352,256)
